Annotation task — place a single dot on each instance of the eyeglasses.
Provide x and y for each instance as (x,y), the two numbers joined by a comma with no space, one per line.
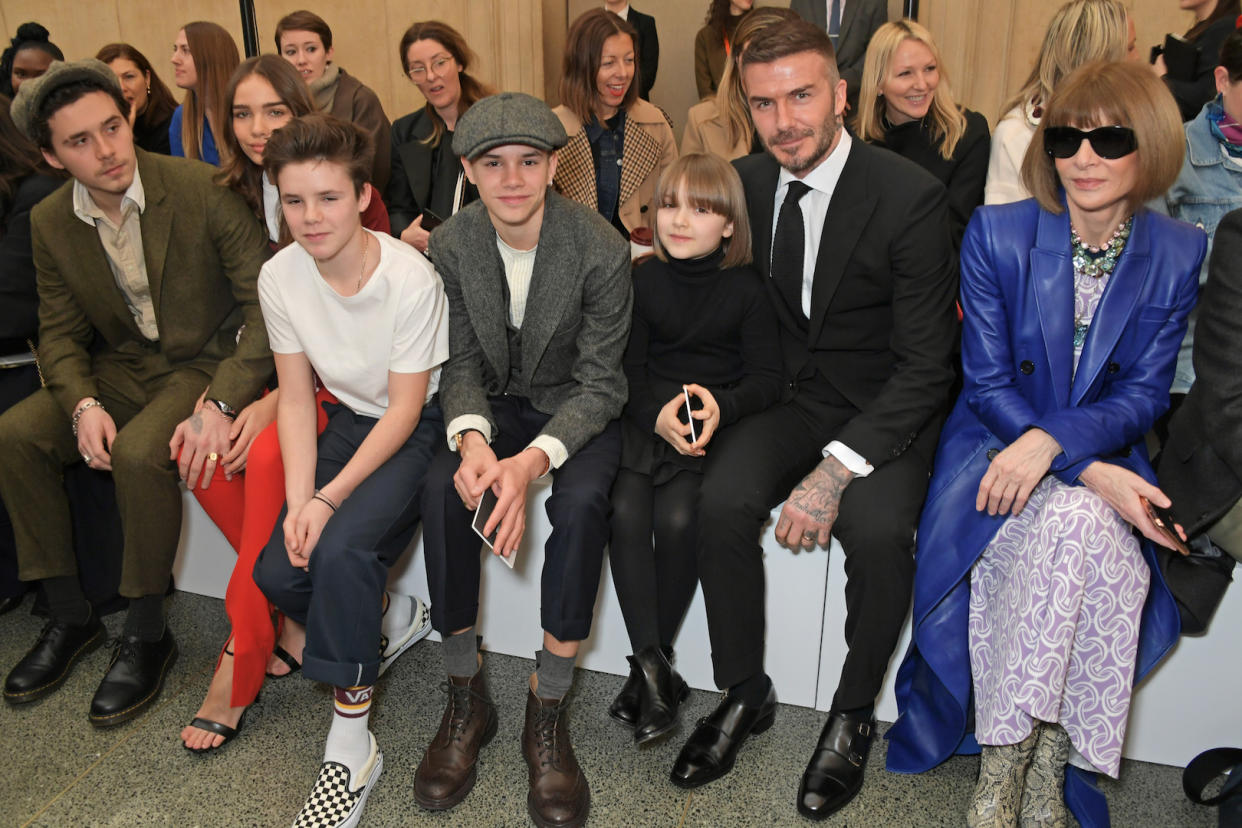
(1109,142)
(418,73)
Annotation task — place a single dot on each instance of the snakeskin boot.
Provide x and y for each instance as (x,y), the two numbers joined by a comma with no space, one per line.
(1043,798)
(1002,775)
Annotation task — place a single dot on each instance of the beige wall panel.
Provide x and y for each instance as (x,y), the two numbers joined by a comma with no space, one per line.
(152,27)
(78,29)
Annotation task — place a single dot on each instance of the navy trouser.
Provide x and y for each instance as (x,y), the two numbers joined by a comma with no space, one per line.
(339,599)
(578,510)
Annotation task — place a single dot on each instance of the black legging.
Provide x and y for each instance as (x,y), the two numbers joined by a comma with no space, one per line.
(655,582)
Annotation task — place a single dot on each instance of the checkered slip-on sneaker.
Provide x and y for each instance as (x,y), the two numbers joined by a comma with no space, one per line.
(333,803)
(420,627)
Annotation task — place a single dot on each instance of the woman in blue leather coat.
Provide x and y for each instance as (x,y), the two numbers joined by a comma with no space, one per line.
(1036,607)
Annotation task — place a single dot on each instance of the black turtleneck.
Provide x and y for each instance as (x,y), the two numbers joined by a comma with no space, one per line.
(694,322)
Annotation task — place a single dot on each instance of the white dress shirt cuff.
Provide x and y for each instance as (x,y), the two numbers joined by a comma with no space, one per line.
(465,422)
(554,448)
(849,458)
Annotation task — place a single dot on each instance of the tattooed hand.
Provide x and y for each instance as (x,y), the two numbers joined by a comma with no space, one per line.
(811,510)
(197,445)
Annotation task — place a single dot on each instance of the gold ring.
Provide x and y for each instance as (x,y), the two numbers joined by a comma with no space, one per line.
(213,457)
(806,536)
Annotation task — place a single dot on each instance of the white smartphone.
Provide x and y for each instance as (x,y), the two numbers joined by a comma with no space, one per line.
(694,434)
(487,504)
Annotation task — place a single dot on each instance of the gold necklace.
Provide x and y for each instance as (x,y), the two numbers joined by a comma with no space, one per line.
(366,241)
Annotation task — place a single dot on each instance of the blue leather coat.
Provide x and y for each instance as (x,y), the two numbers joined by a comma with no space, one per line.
(1017,353)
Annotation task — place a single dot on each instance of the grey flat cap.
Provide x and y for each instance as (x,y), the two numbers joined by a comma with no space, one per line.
(507,118)
(32,93)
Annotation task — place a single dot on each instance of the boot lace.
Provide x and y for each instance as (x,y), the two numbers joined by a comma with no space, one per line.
(546,744)
(460,709)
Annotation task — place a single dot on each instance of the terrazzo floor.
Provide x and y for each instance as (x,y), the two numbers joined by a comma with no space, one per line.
(58,770)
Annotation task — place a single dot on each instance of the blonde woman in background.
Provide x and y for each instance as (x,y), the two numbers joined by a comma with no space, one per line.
(721,125)
(1082,31)
(907,107)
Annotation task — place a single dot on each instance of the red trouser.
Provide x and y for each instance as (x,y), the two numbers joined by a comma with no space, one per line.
(245,509)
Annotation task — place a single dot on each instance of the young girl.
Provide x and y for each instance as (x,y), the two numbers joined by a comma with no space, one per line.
(703,330)
(264,94)
(367,315)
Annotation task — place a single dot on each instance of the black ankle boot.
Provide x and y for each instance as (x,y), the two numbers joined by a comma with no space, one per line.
(624,707)
(660,691)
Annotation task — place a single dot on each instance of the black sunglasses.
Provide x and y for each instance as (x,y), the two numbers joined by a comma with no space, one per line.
(1107,142)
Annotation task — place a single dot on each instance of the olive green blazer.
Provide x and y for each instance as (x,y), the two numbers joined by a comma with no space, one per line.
(203,250)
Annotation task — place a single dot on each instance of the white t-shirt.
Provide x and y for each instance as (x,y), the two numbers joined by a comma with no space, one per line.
(397,322)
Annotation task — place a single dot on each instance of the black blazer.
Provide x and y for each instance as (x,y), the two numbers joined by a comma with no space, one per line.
(1201,465)
(648,47)
(882,323)
(411,176)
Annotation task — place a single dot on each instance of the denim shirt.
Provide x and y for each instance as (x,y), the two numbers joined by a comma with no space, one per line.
(1207,188)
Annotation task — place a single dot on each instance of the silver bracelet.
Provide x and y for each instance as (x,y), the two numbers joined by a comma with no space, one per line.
(77,415)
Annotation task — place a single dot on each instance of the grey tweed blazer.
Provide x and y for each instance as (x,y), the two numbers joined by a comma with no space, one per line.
(574,330)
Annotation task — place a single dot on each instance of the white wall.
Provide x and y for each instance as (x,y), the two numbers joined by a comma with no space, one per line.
(1188,705)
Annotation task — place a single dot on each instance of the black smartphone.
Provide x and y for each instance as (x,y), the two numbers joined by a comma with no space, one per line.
(431,221)
(1163,519)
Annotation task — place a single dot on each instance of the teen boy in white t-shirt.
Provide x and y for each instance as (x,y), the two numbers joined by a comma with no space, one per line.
(368,316)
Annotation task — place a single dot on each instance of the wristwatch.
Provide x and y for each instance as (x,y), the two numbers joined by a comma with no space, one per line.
(460,436)
(223,407)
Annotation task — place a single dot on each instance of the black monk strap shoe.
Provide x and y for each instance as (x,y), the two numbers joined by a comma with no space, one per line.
(712,748)
(835,773)
(133,680)
(51,659)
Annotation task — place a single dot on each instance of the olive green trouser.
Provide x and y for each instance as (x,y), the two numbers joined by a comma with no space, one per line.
(146,398)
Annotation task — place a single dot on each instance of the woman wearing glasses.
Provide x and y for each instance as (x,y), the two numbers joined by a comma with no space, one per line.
(1032,588)
(427,183)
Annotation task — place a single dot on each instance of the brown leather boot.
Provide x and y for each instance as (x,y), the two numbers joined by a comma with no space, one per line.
(559,794)
(447,772)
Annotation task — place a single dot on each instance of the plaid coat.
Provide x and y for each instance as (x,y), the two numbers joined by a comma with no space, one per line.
(649,148)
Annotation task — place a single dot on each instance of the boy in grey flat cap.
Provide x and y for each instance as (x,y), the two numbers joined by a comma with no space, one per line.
(147,299)
(539,313)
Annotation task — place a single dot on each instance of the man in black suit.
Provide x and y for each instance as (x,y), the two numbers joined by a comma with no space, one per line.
(647,47)
(850,25)
(853,244)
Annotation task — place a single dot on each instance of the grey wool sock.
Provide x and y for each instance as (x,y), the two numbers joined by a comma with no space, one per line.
(461,653)
(554,674)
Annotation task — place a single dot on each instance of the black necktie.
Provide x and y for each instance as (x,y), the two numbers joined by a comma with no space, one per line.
(787,248)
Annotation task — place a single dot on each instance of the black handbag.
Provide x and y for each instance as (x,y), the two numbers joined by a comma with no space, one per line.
(1198,581)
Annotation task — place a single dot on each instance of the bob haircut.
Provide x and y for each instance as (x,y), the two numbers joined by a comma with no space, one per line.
(584,46)
(472,89)
(1082,31)
(945,120)
(304,21)
(1103,94)
(712,184)
(320,137)
(731,108)
(215,57)
(160,100)
(775,42)
(239,173)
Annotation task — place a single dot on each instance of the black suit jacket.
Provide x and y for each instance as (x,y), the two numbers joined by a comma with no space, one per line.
(882,324)
(1201,466)
(648,47)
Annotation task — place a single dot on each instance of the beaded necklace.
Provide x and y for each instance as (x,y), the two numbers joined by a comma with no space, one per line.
(1092,267)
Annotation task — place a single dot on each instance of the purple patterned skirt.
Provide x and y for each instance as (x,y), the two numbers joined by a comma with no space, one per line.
(1056,601)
